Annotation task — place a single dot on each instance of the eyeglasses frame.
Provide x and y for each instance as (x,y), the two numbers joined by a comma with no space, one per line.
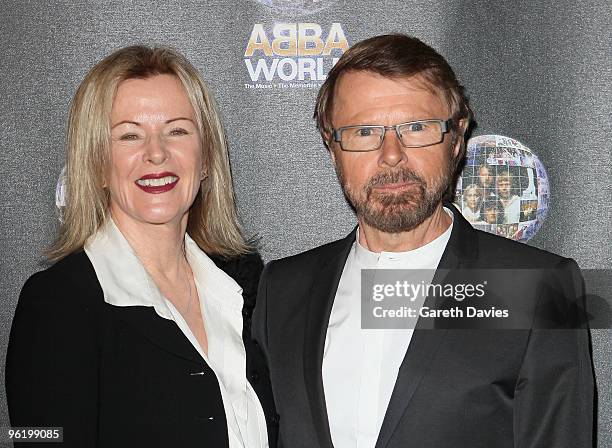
(445,127)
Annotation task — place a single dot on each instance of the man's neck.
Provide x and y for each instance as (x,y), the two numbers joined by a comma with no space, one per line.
(376,240)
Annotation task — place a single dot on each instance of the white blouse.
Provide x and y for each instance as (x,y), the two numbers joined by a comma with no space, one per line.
(125,282)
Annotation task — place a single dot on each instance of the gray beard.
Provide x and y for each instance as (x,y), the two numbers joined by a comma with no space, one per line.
(396,212)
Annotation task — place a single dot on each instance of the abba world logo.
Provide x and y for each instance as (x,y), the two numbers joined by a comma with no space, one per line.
(292,54)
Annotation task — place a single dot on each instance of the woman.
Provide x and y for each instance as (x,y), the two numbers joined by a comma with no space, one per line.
(471,203)
(135,336)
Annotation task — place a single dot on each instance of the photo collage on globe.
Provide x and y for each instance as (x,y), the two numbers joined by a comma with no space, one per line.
(503,188)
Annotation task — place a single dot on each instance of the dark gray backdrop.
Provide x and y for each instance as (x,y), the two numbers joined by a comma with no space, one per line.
(539,72)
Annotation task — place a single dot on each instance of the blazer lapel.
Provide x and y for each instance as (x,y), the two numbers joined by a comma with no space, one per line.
(426,341)
(162,332)
(321,298)
(142,319)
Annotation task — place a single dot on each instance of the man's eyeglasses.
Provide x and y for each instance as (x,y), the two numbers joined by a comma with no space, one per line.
(414,134)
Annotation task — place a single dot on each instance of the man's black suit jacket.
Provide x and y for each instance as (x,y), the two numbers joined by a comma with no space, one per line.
(119,376)
(456,387)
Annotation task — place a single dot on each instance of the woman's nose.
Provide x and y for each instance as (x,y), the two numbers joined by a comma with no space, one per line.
(156,152)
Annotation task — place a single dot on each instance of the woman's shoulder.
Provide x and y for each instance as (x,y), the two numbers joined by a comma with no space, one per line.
(245,269)
(70,268)
(62,282)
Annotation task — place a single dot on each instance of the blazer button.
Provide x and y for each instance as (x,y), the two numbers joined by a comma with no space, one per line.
(254,377)
(205,418)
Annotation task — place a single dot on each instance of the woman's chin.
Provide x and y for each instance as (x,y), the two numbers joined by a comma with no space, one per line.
(162,218)
(159,217)
(148,214)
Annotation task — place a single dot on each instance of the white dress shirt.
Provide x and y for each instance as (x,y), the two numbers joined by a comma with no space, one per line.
(360,366)
(125,282)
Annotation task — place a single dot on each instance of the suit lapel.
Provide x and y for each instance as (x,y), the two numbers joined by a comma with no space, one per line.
(426,341)
(321,298)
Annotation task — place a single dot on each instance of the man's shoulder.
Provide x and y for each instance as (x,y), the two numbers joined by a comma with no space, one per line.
(494,251)
(498,251)
(312,258)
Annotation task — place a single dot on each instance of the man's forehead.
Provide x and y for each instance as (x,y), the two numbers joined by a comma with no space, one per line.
(365,90)
(381,85)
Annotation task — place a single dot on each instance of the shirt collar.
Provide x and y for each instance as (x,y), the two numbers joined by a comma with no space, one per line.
(215,283)
(368,258)
(125,282)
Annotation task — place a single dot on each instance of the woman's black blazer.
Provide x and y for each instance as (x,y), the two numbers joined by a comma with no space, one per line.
(119,376)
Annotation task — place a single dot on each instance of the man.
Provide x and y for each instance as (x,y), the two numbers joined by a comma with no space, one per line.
(491,212)
(393,117)
(485,180)
(510,202)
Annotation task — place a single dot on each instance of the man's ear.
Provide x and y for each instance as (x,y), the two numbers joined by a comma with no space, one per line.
(329,144)
(461,129)
(332,153)
(333,158)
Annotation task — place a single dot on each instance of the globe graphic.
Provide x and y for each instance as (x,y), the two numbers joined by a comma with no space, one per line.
(299,7)
(503,188)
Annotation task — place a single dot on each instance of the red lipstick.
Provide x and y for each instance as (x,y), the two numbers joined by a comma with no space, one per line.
(157,183)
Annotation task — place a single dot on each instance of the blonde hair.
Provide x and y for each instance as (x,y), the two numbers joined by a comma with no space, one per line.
(474,187)
(213,220)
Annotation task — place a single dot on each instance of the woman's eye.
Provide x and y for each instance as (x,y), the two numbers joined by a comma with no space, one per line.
(364,132)
(129,137)
(178,131)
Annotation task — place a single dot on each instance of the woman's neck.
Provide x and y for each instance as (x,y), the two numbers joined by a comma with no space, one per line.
(159,247)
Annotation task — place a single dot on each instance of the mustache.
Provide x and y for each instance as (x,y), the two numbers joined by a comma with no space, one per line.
(392,177)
